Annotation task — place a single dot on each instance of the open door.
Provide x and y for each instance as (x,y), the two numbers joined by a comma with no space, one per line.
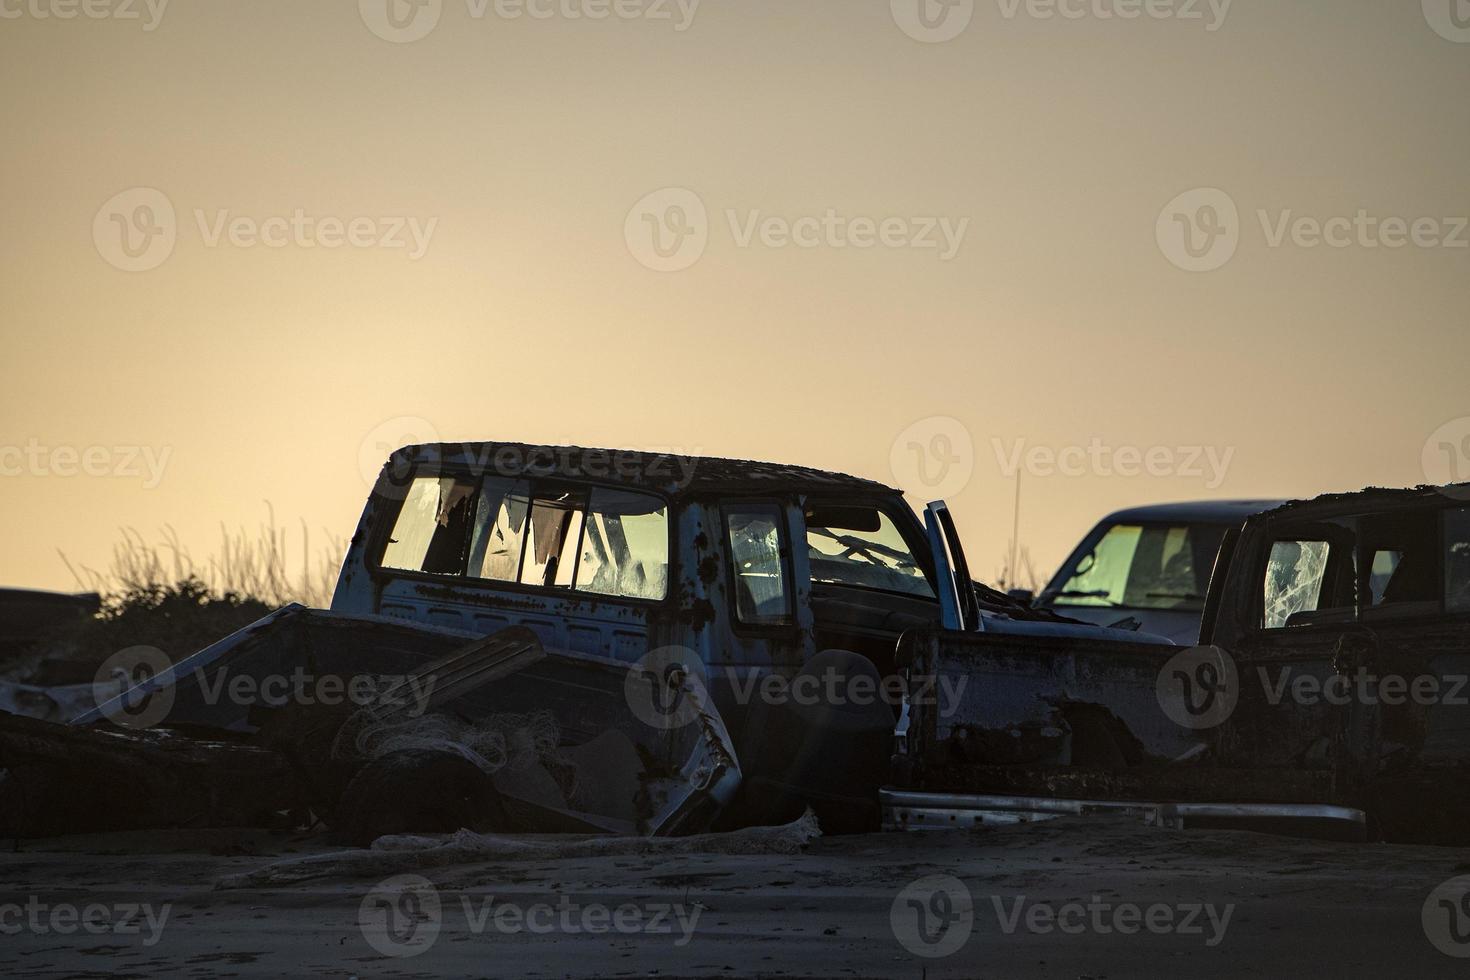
(959,609)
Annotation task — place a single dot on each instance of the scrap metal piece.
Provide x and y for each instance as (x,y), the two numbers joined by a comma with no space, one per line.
(907,810)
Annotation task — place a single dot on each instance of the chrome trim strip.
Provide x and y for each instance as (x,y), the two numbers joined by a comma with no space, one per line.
(908,810)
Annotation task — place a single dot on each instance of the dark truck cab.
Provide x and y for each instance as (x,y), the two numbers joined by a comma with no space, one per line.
(1328,693)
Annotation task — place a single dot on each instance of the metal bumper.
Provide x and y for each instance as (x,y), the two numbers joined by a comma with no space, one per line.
(908,810)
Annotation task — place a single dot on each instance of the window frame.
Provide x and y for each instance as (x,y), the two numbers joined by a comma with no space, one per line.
(783,526)
(379,572)
(669,518)
(1443,554)
(1052,599)
(909,532)
(1376,618)
(1324,584)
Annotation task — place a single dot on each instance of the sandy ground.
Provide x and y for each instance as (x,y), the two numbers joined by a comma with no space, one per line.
(838,910)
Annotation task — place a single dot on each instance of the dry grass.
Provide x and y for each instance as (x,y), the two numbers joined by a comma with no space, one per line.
(1024,576)
(258,565)
(156,593)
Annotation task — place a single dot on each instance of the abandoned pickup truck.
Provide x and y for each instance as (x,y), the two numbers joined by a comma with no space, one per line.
(595,641)
(1329,695)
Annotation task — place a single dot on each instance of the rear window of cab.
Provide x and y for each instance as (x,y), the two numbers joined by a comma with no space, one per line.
(540,533)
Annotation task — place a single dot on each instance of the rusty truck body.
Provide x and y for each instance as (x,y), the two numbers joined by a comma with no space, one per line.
(1328,694)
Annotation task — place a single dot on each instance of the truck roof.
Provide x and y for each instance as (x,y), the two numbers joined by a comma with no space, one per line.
(1194,512)
(669,473)
(1375,497)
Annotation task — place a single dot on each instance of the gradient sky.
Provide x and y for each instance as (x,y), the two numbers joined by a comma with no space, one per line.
(270,374)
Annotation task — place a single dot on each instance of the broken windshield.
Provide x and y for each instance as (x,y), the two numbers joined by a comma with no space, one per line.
(861,546)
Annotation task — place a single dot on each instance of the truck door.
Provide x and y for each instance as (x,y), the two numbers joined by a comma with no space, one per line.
(959,607)
(1296,656)
(1414,576)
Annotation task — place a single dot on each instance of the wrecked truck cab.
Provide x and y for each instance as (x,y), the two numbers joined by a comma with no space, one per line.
(769,582)
(738,572)
(1327,697)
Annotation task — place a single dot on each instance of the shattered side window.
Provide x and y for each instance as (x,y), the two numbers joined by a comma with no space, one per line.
(1380,572)
(757,551)
(432,527)
(1295,573)
(1457,561)
(500,527)
(625,549)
